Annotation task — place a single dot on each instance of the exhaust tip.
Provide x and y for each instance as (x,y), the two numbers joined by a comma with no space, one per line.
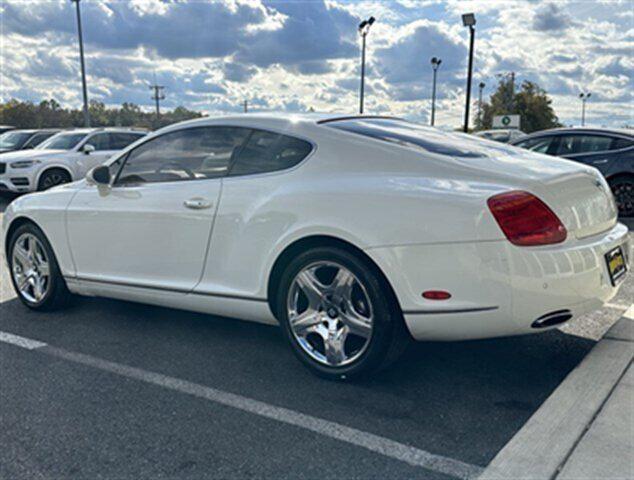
(553,318)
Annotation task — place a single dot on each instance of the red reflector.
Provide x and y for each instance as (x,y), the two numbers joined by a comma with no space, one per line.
(526,220)
(436,295)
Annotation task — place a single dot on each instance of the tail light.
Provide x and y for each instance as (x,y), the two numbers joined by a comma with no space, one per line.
(526,220)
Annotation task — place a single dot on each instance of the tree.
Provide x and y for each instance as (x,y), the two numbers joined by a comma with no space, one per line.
(49,113)
(531,103)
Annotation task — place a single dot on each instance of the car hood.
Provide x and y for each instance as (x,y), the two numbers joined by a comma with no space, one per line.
(33,153)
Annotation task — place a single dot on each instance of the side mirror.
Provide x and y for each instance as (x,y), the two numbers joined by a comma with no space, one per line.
(99,176)
(88,148)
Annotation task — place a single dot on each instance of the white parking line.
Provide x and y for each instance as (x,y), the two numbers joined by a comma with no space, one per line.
(20,341)
(375,443)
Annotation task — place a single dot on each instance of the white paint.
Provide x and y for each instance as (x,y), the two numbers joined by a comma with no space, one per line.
(21,341)
(422,216)
(630,312)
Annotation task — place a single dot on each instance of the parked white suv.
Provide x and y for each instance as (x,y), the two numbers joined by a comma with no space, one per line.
(63,158)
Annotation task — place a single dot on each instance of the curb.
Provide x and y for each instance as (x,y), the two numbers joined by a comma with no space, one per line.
(541,448)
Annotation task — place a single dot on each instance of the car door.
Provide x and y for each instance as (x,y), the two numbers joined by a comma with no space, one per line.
(86,160)
(151,227)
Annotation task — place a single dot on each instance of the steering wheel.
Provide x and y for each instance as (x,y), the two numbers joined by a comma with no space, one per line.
(178,166)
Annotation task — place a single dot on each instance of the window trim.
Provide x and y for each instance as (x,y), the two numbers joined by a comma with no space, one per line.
(251,129)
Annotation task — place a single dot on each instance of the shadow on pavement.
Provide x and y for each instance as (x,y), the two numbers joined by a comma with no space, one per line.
(464,400)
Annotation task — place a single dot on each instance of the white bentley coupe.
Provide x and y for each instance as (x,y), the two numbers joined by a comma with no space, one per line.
(355,234)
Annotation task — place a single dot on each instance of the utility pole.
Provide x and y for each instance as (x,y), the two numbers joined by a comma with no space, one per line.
(481,87)
(511,107)
(246,106)
(468,20)
(83,65)
(157,96)
(435,64)
(364,29)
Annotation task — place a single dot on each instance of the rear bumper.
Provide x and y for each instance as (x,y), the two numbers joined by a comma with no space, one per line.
(498,289)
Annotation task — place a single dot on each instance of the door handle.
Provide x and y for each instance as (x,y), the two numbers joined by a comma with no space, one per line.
(600,162)
(197,203)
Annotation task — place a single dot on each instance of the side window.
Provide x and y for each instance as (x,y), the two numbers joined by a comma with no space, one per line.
(121,140)
(269,152)
(574,144)
(101,141)
(619,143)
(191,154)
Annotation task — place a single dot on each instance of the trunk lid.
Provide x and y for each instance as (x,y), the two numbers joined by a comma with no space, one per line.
(582,201)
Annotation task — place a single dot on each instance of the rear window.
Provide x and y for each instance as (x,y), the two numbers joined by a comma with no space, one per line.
(413,135)
(619,143)
(269,152)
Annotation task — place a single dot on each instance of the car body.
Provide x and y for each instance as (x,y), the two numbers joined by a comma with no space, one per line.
(64,157)
(6,128)
(24,139)
(503,135)
(244,228)
(611,151)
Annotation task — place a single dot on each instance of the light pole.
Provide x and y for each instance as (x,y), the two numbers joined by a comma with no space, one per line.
(83,65)
(435,64)
(364,29)
(481,87)
(468,20)
(584,98)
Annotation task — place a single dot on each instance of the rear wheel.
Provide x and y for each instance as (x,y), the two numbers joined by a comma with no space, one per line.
(53,177)
(338,314)
(623,191)
(34,270)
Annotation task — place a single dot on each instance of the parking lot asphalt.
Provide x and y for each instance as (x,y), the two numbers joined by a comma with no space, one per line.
(147,392)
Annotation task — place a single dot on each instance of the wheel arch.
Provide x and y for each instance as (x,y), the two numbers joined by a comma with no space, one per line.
(314,241)
(13,226)
(617,175)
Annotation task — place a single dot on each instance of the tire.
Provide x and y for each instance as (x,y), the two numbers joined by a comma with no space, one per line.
(622,188)
(332,313)
(53,177)
(54,293)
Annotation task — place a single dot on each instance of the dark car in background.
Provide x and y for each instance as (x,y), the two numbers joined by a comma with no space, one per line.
(6,128)
(24,139)
(609,150)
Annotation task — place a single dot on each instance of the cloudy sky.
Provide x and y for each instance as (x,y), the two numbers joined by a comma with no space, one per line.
(292,55)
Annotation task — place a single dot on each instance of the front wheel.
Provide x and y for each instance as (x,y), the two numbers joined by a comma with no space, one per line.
(34,270)
(338,314)
(53,177)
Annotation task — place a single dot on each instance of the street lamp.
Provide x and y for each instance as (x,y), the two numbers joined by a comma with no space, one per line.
(584,98)
(481,87)
(83,66)
(364,29)
(468,20)
(435,64)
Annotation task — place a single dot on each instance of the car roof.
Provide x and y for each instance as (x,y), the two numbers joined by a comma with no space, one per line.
(313,118)
(565,130)
(104,129)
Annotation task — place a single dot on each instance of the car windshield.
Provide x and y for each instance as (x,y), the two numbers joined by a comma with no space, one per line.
(62,141)
(13,140)
(409,134)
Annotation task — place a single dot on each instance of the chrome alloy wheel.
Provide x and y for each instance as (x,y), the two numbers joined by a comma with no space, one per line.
(330,313)
(30,268)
